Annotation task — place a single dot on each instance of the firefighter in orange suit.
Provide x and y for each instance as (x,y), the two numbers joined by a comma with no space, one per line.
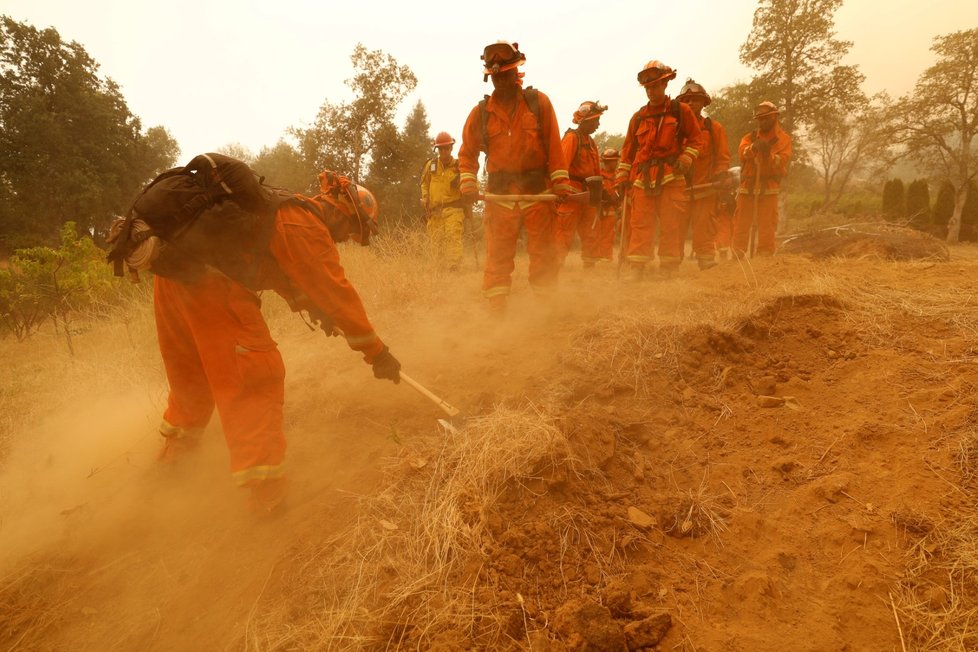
(517,129)
(707,177)
(581,154)
(215,344)
(604,242)
(764,157)
(662,141)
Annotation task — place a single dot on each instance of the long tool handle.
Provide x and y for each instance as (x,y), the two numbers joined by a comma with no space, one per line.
(434,398)
(576,197)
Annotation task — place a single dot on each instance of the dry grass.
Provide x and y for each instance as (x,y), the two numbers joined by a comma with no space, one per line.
(875,240)
(937,601)
(405,571)
(32,601)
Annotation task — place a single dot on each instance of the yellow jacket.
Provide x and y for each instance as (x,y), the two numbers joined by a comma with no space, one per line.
(439,183)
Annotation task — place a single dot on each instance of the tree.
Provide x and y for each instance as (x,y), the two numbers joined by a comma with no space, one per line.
(604,140)
(944,204)
(938,123)
(283,166)
(395,168)
(791,44)
(344,136)
(846,132)
(69,147)
(894,205)
(43,283)
(918,203)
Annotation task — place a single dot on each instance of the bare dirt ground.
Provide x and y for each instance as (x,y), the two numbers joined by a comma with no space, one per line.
(779,456)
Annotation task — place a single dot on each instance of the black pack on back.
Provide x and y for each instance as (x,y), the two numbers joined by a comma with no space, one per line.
(174,200)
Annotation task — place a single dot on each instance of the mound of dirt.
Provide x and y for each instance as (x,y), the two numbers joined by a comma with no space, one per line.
(869,240)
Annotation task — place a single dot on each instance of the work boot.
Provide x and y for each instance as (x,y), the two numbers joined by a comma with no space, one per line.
(636,272)
(177,447)
(267,495)
(706,263)
(666,272)
(497,304)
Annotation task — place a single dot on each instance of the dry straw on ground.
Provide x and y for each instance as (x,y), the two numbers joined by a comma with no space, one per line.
(400,574)
(867,240)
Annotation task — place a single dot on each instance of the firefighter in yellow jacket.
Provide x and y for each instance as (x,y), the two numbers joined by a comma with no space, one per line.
(442,203)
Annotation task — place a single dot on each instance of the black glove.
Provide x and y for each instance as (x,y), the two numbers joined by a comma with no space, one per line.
(762,146)
(386,366)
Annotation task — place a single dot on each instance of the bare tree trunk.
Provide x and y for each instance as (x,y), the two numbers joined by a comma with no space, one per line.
(954,224)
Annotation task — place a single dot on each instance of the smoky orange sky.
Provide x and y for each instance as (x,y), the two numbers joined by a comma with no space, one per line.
(215,72)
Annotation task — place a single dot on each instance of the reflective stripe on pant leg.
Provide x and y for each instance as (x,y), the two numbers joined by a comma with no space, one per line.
(767,223)
(502,229)
(673,217)
(703,216)
(642,218)
(189,401)
(589,230)
(244,371)
(565,226)
(454,229)
(544,261)
(742,220)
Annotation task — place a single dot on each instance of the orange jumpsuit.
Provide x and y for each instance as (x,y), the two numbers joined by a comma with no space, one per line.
(658,197)
(604,240)
(217,349)
(581,154)
(709,167)
(760,184)
(524,157)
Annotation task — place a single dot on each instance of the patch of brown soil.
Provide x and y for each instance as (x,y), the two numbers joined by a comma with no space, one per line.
(869,240)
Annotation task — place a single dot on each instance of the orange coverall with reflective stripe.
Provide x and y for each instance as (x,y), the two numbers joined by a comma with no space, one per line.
(653,140)
(581,153)
(604,238)
(760,185)
(714,160)
(518,142)
(217,349)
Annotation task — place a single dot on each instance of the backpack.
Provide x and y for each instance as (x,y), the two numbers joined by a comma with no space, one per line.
(175,200)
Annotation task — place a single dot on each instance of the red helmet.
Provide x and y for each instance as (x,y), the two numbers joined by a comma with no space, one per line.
(655,71)
(443,138)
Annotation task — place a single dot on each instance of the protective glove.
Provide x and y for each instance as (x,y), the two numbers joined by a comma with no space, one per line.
(386,366)
(682,166)
(563,188)
(762,146)
(469,190)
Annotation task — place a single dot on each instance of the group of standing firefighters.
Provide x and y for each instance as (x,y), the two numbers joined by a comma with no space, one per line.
(672,175)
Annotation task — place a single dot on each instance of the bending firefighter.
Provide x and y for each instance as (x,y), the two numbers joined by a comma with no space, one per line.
(214,236)
(445,212)
(517,129)
(663,140)
(764,157)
